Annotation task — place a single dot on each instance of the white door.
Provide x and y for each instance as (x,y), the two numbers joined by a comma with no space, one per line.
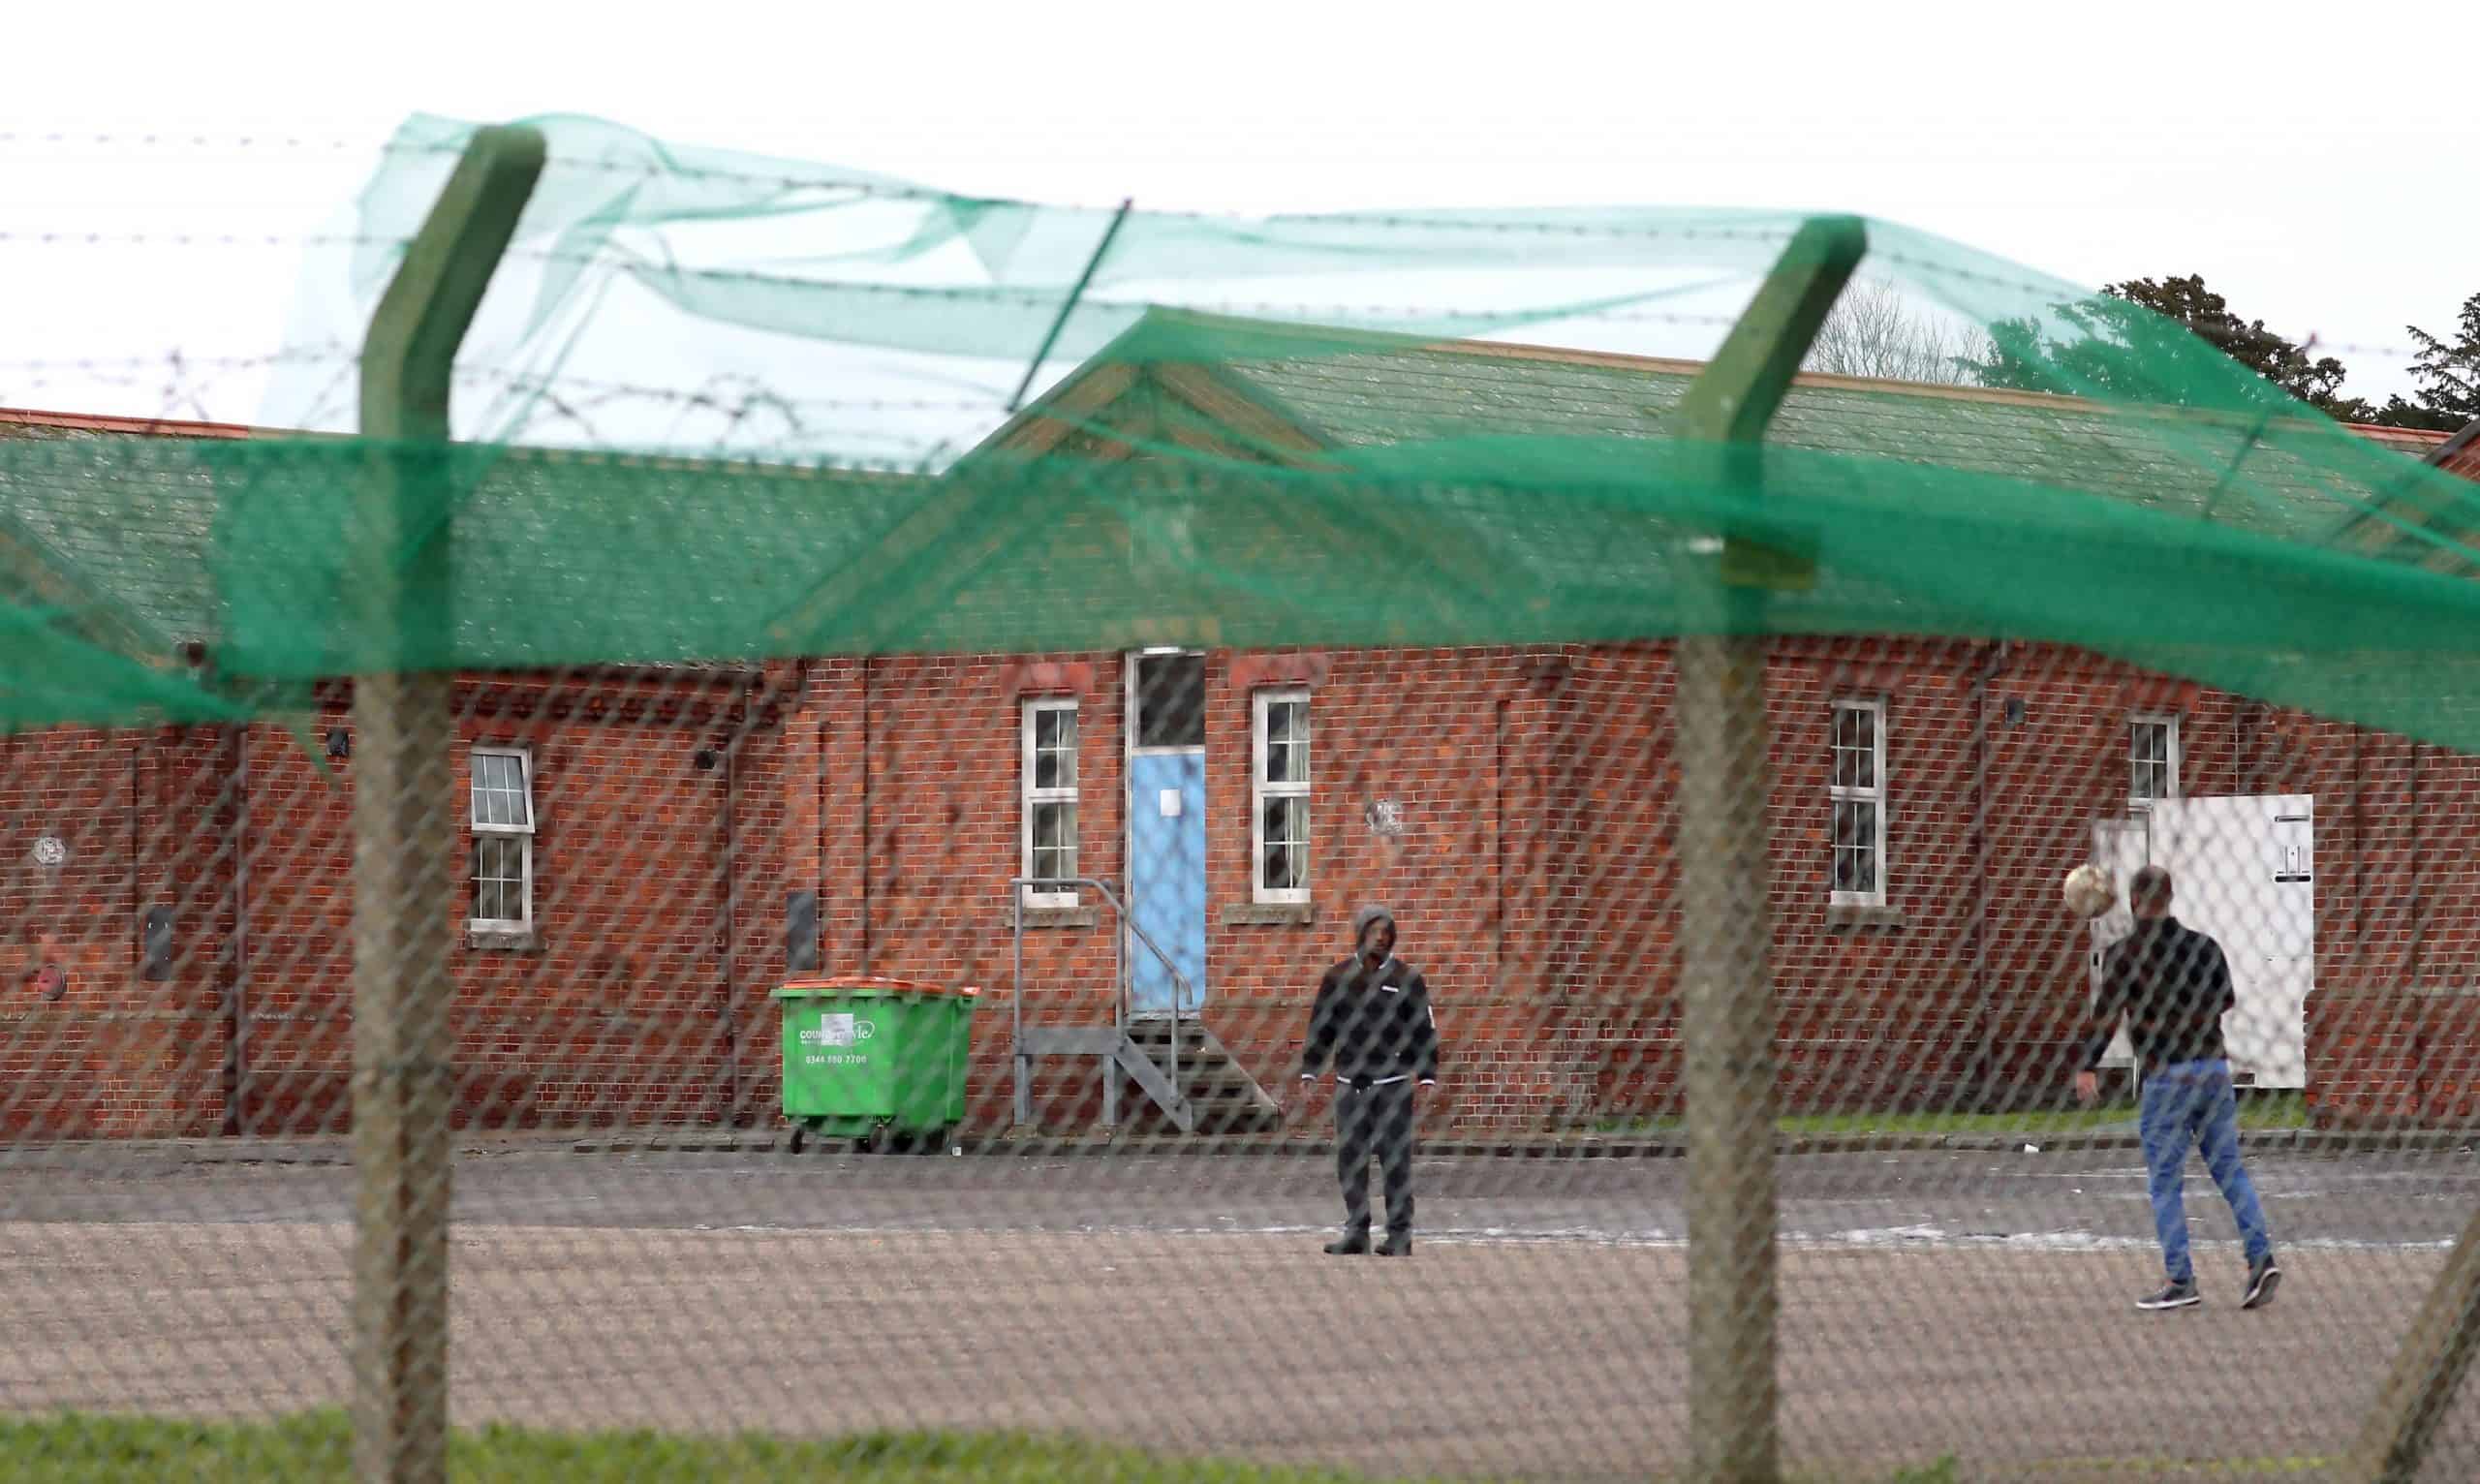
(2276,1038)
(2246,874)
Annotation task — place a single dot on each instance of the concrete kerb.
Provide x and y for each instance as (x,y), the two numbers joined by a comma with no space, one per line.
(337,1150)
(2305,1141)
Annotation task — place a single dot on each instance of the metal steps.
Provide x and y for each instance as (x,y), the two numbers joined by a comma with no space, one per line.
(1188,1080)
(1220,1096)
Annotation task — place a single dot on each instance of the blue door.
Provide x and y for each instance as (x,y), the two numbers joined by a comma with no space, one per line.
(1167,880)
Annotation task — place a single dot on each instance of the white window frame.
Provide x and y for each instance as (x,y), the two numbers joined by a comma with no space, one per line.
(1031,798)
(1837,793)
(1260,790)
(2168,721)
(523,833)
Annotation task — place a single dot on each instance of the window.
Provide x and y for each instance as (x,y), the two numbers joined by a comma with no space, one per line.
(2153,761)
(1170,701)
(1859,792)
(503,820)
(1279,839)
(1050,802)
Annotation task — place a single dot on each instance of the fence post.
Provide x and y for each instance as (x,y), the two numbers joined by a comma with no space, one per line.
(1726,876)
(2426,1370)
(404,831)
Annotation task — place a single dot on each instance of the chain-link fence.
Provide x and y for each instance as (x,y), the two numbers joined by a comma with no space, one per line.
(886,960)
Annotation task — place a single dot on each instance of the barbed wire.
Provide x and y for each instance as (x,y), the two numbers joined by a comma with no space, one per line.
(163,138)
(47,371)
(450,149)
(91,238)
(1481,220)
(1046,296)
(895,190)
(291,353)
(571,257)
(881,186)
(755,418)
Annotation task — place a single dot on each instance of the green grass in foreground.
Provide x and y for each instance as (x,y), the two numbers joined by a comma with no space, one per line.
(2281,1110)
(317,1446)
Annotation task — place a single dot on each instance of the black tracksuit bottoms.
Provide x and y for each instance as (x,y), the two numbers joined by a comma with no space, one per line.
(1375,1120)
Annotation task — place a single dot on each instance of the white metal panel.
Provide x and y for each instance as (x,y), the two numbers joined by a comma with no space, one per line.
(2246,874)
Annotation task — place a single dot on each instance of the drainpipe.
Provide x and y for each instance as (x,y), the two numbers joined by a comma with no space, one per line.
(1498,872)
(1984,1072)
(137,812)
(2420,1075)
(2360,978)
(237,1009)
(867,666)
(731,923)
(735,738)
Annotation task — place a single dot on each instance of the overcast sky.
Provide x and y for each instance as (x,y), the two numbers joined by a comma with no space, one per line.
(2318,170)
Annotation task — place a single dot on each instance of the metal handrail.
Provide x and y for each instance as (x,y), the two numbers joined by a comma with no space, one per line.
(1182,991)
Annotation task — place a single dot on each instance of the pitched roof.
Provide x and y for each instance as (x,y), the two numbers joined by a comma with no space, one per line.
(132,519)
(2419,443)
(656,570)
(131,568)
(32,422)
(1344,391)
(2458,453)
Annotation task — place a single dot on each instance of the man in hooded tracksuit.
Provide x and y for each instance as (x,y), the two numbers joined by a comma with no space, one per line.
(1373,1021)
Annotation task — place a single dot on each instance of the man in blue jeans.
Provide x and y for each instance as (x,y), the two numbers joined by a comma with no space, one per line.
(2173,986)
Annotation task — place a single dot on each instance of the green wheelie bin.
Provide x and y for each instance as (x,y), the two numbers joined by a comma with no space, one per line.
(880,1061)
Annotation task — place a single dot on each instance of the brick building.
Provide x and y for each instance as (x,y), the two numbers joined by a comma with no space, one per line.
(647,851)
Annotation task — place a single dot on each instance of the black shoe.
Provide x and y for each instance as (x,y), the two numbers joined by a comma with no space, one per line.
(1396,1247)
(2263,1278)
(1350,1245)
(2172,1296)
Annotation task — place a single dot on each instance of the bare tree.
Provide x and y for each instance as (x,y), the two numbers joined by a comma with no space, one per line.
(1873,331)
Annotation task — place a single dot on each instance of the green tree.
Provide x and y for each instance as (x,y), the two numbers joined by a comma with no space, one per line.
(2207,316)
(2136,341)
(2446,377)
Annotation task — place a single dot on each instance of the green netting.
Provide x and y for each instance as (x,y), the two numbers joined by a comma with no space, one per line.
(48,674)
(721,408)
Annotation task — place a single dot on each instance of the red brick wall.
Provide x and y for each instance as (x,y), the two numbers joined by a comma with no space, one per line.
(114,1054)
(921,830)
(628,1008)
(1438,734)
(1902,1013)
(641,997)
(1534,878)
(939,799)
(2054,769)
(2395,1022)
(1874,1014)
(296,995)
(1608,800)
(2365,1029)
